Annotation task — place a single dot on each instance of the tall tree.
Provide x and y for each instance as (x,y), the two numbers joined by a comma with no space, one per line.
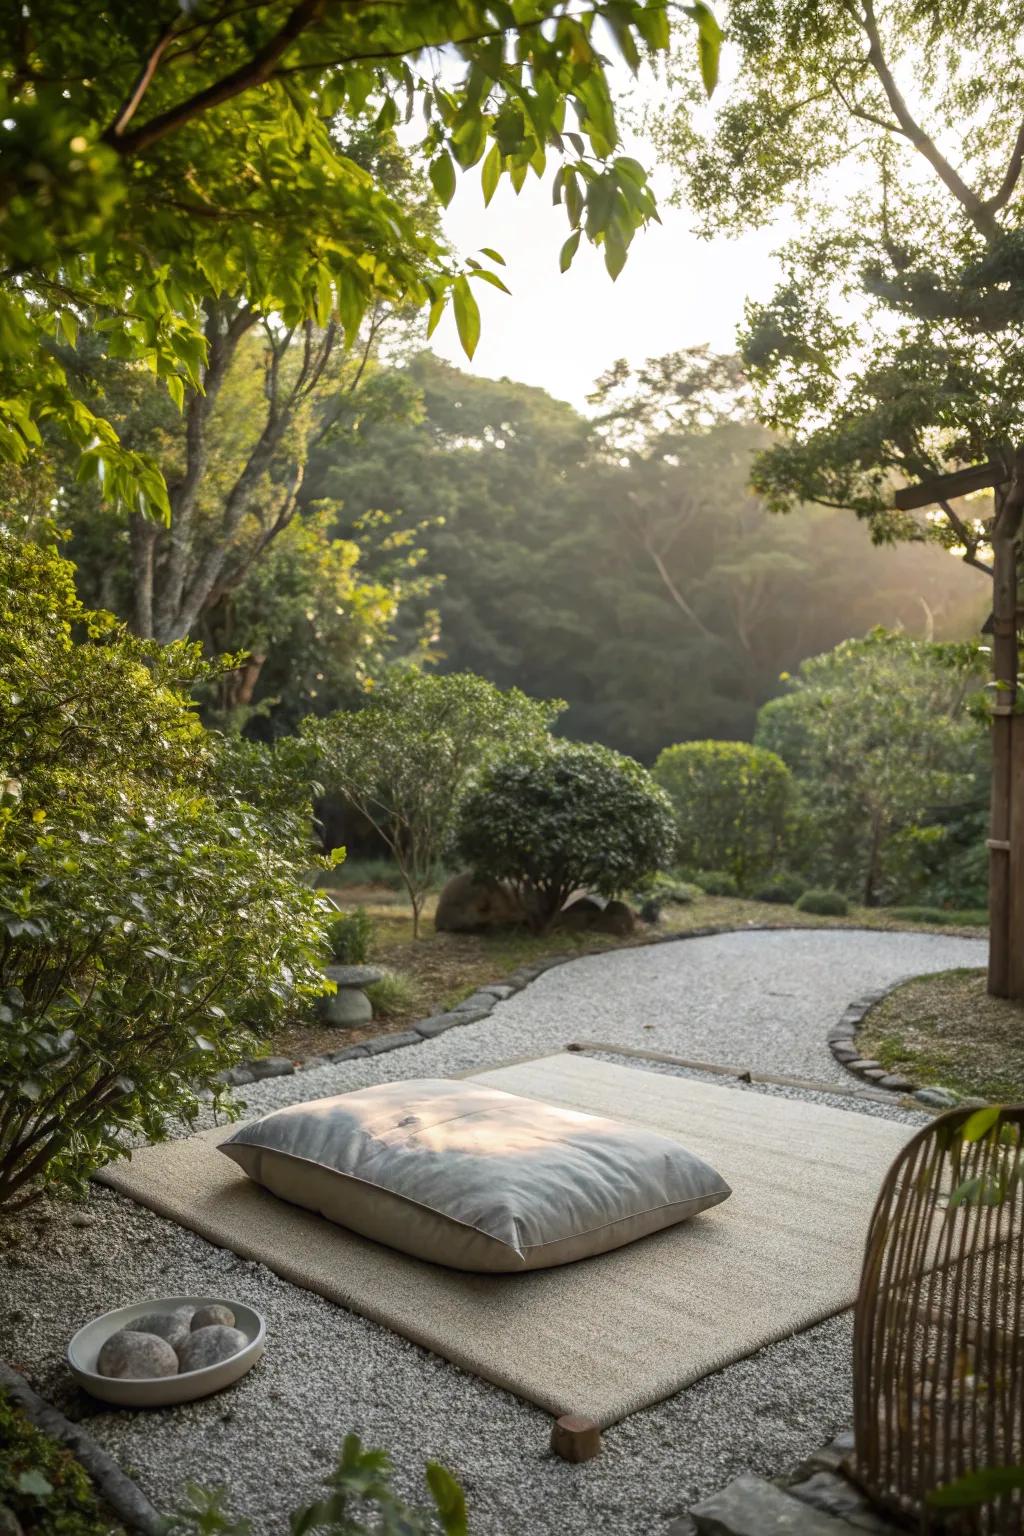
(156,157)
(893,350)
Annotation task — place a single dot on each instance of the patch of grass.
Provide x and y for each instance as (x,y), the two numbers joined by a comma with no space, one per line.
(42,1484)
(967,915)
(946,1029)
(392,996)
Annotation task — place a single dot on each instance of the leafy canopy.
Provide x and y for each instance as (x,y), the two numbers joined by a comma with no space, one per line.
(893,133)
(889,762)
(153,156)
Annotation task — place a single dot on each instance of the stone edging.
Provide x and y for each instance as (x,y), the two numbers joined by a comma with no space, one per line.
(842,1043)
(112,1485)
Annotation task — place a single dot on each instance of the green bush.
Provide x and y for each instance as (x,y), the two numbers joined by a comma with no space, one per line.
(731,803)
(46,1490)
(784,889)
(551,822)
(154,923)
(824,903)
(716,882)
(359,1501)
(350,937)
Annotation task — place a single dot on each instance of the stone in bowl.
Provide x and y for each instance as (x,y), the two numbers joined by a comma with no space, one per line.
(160,1391)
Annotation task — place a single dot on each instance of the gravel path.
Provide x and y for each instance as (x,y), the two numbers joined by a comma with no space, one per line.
(760,999)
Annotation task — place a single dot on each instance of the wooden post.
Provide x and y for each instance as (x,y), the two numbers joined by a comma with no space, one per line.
(575,1439)
(1004,676)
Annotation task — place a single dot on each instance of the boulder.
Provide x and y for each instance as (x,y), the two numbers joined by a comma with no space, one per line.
(345,1008)
(580,914)
(353,975)
(468,905)
(616,918)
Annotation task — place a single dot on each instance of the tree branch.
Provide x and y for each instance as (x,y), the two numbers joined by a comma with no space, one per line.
(1009,181)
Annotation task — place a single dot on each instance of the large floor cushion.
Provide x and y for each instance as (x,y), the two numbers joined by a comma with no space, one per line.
(466,1175)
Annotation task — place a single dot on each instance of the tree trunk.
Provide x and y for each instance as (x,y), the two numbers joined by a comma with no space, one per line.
(1006,839)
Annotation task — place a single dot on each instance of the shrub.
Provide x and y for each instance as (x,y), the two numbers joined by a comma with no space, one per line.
(824,903)
(391,995)
(731,802)
(153,917)
(350,936)
(360,1501)
(576,815)
(405,759)
(716,882)
(41,1484)
(784,889)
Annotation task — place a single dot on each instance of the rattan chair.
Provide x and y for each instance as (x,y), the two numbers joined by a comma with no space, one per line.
(939,1324)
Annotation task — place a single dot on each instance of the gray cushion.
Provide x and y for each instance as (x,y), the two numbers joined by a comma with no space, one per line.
(468,1176)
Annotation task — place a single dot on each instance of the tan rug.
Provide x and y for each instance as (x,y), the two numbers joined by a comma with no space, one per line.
(614,1334)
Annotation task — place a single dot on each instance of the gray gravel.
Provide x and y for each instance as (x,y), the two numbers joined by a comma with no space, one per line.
(759,999)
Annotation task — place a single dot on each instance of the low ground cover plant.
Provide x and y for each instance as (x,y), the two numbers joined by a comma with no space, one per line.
(350,937)
(42,1486)
(573,816)
(155,922)
(784,889)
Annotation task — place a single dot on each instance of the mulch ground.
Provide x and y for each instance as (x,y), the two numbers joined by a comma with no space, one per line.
(946,1029)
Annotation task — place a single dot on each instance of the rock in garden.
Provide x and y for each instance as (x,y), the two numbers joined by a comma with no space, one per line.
(937,1098)
(353,975)
(345,1008)
(209,1346)
(211,1316)
(172,1326)
(136,1356)
(579,915)
(617,919)
(467,905)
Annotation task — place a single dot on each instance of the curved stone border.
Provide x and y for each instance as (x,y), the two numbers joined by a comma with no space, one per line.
(112,1485)
(842,1043)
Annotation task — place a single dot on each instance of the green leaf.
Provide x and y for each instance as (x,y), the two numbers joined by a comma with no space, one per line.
(486,250)
(442,177)
(34,1483)
(490,174)
(449,1498)
(69,326)
(437,309)
(980,1123)
(568,251)
(614,253)
(467,315)
(709,43)
(977,1487)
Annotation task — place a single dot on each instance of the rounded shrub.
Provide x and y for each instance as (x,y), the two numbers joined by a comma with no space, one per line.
(824,903)
(716,882)
(783,889)
(731,802)
(350,936)
(575,815)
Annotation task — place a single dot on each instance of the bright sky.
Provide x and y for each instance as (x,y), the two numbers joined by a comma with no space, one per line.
(561,331)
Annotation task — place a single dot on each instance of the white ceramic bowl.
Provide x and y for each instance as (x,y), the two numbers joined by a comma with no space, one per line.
(159,1391)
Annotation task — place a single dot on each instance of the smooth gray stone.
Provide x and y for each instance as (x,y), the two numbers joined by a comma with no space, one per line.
(271,1066)
(381,1043)
(172,1326)
(896,1083)
(236,1077)
(498,989)
(875,1074)
(484,1001)
(136,1357)
(208,1317)
(844,1053)
(835,1495)
(937,1098)
(353,975)
(346,1008)
(428,1029)
(209,1346)
(867,1064)
(309,1062)
(750,1506)
(349,1053)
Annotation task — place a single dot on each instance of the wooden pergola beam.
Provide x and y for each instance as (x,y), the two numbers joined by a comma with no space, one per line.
(977,477)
